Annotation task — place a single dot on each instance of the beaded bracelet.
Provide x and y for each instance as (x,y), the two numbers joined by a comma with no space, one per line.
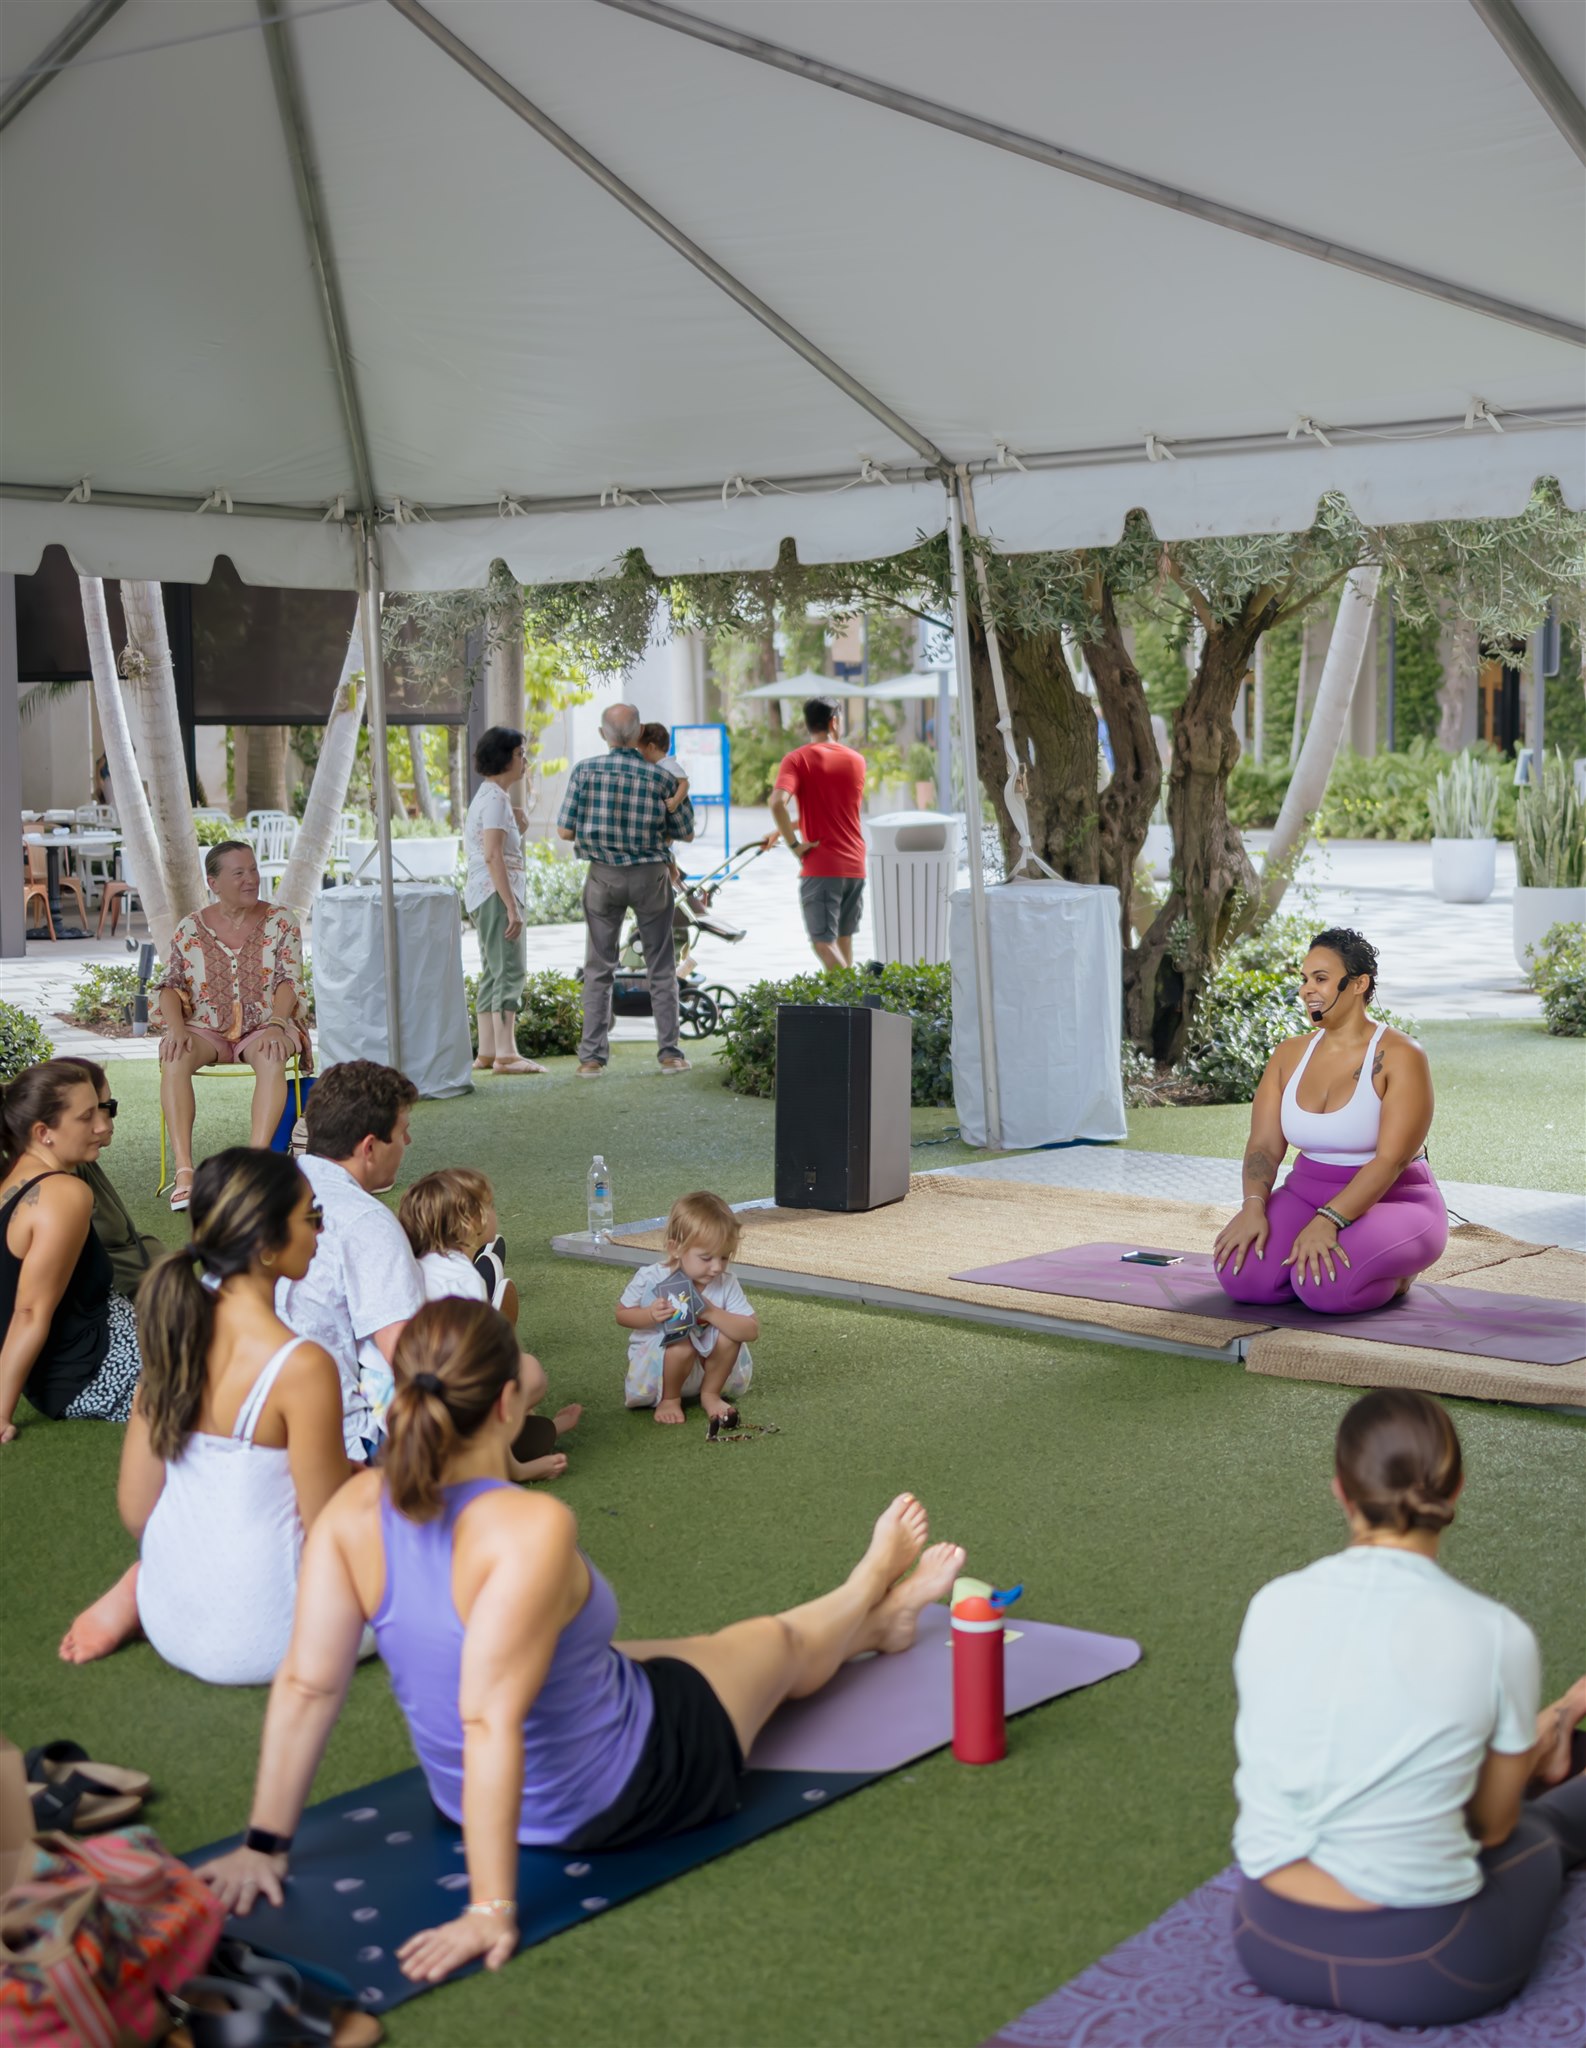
(1338,1222)
(497,1909)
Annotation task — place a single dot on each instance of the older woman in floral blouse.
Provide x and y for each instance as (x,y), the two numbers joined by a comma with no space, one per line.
(232,991)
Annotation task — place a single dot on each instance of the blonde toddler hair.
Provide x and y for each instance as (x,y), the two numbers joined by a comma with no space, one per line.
(705,1220)
(445,1211)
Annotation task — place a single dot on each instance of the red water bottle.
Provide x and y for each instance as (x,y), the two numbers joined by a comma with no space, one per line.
(980,1734)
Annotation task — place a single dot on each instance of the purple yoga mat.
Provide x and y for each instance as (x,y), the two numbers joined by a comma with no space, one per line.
(882,1712)
(1527,1329)
(1179,1984)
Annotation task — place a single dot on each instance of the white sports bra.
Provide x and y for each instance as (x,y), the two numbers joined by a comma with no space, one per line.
(1336,1137)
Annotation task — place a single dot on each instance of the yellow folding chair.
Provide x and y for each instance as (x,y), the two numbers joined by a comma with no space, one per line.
(237,1072)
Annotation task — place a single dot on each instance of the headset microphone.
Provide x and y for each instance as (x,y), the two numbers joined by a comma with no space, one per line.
(1333,1005)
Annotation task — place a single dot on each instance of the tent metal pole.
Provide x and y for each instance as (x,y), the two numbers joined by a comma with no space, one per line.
(669,232)
(380,767)
(51,61)
(311,206)
(1519,44)
(985,1007)
(1137,186)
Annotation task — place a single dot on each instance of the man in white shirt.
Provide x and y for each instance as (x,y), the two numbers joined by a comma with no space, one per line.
(364,1285)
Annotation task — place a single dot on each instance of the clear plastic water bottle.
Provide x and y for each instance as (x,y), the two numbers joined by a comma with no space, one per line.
(602,1210)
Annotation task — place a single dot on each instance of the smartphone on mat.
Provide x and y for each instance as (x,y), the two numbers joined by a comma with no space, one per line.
(1152,1258)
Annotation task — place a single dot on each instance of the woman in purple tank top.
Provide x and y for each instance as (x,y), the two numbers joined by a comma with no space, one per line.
(530,1723)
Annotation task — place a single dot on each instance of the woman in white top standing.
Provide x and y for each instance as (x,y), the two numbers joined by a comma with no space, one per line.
(235,1442)
(1359,1214)
(1388,1735)
(493,897)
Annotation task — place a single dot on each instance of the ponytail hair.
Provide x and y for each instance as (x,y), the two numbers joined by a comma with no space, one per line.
(241,1212)
(1399,1462)
(38,1095)
(451,1363)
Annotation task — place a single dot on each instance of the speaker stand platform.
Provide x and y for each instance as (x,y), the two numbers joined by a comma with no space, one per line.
(579,1244)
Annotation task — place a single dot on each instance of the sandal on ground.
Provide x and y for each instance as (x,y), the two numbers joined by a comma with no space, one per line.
(517,1065)
(270,2006)
(483,1064)
(181,1196)
(239,1962)
(51,1761)
(72,1807)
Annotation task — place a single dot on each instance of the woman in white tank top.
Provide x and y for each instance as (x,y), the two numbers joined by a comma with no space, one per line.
(1359,1214)
(235,1442)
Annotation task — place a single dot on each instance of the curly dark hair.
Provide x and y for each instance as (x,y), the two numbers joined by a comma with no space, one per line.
(495,748)
(1358,954)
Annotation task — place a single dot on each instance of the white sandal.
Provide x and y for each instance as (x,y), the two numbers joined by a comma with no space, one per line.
(180,1196)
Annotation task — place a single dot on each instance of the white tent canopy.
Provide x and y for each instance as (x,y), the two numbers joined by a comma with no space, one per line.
(292,258)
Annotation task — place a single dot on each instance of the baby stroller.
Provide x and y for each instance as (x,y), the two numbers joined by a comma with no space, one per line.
(702,1007)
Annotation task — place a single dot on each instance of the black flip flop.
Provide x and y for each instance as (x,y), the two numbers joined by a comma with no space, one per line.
(287,1986)
(76,1806)
(47,1761)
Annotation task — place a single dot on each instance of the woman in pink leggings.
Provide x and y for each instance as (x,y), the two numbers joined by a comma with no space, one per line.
(1359,1214)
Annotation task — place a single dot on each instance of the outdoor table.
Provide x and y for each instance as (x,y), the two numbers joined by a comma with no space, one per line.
(76,842)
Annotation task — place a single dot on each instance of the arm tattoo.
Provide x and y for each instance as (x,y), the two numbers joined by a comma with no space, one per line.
(1260,1167)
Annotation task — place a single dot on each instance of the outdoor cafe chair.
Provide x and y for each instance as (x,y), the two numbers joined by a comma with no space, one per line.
(38,878)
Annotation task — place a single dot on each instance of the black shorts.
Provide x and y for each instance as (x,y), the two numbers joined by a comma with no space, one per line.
(688,1769)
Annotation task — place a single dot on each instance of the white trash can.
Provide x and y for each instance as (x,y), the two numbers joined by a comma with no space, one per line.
(348,954)
(913,868)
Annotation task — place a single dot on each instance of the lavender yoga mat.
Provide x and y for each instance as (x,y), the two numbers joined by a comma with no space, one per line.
(880,1713)
(1179,1984)
(1527,1329)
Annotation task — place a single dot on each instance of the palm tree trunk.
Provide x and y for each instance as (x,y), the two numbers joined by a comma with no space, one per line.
(1297,737)
(327,793)
(140,844)
(147,664)
(266,784)
(457,774)
(1334,694)
(504,667)
(423,794)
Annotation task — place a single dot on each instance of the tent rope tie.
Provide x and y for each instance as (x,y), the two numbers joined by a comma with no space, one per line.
(1006,459)
(872,472)
(508,507)
(614,494)
(404,512)
(80,493)
(1158,451)
(1480,413)
(336,512)
(219,500)
(1306,425)
(738,487)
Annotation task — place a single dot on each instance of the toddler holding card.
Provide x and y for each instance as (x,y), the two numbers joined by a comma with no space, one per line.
(689,1323)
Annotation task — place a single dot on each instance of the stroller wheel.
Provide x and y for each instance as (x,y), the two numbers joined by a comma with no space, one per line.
(725,1000)
(696,1013)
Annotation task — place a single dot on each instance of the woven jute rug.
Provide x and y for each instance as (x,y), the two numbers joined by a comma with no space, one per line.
(1528,1269)
(947,1224)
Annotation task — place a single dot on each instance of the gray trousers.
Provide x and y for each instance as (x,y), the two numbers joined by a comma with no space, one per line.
(609,893)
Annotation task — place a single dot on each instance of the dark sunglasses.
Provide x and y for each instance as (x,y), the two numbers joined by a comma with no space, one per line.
(315,1215)
(110,1108)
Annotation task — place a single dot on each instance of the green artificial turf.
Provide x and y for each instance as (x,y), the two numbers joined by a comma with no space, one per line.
(1138,1494)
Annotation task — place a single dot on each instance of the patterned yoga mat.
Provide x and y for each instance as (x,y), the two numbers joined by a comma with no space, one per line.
(1179,1984)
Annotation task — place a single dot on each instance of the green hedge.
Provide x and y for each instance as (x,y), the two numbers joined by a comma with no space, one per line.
(22,1041)
(551,1020)
(1559,976)
(924,994)
(1369,796)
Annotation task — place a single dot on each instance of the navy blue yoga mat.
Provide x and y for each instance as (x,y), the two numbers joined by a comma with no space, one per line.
(375,1866)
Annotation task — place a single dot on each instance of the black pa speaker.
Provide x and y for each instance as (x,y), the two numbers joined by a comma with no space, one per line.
(842,1107)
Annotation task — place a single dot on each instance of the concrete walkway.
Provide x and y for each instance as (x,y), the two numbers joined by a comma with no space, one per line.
(1439,960)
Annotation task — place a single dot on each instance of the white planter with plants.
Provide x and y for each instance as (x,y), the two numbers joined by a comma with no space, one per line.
(1464,810)
(1549,857)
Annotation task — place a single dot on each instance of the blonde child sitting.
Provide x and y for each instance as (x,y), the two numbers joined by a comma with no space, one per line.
(689,1322)
(450,1220)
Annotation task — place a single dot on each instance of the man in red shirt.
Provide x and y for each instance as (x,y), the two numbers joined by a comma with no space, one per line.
(828,781)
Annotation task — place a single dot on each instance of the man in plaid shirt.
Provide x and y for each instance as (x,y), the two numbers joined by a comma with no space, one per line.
(615,814)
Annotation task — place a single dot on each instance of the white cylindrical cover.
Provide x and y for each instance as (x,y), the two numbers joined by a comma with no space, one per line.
(1057,992)
(348,953)
(913,866)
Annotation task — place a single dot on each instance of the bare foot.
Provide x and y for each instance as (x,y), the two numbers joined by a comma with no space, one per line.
(719,1409)
(567,1418)
(669,1409)
(110,1622)
(552,1466)
(1571,1711)
(898,1539)
(931,1579)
